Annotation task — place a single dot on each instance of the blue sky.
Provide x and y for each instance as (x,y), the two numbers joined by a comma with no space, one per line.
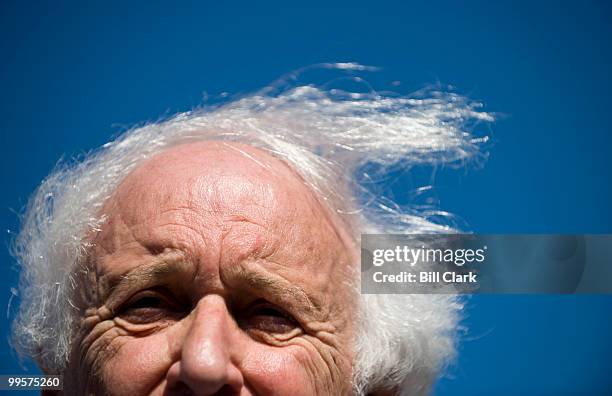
(74,75)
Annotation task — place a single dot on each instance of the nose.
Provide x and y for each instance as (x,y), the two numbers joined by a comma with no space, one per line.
(206,365)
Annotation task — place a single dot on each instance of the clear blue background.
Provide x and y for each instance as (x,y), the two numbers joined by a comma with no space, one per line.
(73,75)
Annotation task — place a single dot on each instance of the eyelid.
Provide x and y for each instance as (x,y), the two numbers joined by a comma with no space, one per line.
(252,311)
(271,330)
(160,293)
(260,303)
(168,309)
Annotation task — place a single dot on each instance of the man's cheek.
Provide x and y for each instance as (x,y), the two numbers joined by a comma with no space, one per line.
(280,371)
(327,363)
(137,366)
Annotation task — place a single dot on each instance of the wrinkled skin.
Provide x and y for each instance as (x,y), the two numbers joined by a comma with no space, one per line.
(217,272)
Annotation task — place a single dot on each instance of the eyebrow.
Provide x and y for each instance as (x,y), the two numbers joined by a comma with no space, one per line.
(158,271)
(267,283)
(245,275)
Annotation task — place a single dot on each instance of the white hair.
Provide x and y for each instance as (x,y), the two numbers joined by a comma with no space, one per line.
(329,137)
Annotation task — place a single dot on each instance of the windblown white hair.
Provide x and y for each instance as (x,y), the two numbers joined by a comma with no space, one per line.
(328,137)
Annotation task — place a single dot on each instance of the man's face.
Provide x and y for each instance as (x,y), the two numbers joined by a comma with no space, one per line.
(216,272)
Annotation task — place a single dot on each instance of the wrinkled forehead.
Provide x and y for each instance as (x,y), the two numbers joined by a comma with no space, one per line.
(216,182)
(213,176)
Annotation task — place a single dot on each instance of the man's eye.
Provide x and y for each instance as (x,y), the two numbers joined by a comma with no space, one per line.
(147,302)
(269,318)
(150,306)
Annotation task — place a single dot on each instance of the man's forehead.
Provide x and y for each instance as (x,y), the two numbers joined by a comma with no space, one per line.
(210,177)
(215,188)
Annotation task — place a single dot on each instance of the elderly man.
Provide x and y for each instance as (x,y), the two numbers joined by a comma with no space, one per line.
(216,253)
